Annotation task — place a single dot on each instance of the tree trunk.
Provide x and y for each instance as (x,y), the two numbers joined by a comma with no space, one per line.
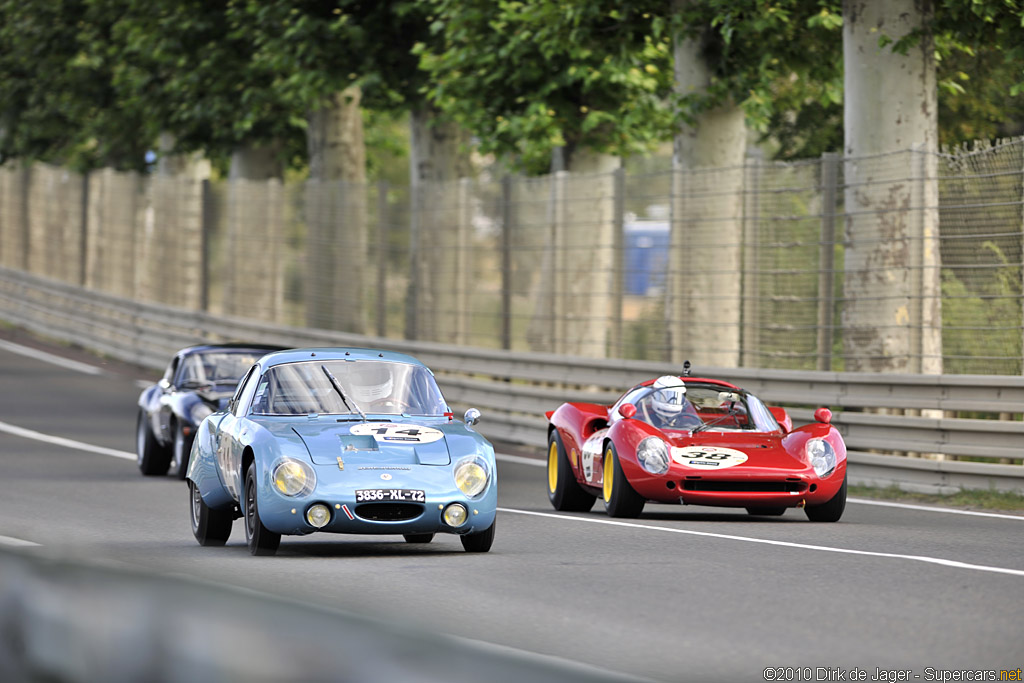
(253,273)
(572,306)
(441,274)
(703,300)
(336,215)
(892,308)
(257,162)
(171,164)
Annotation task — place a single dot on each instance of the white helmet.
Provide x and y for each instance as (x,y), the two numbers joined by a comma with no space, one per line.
(370,381)
(669,397)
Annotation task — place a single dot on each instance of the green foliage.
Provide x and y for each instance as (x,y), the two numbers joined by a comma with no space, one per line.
(192,67)
(981,322)
(769,56)
(387,147)
(526,77)
(979,48)
(58,102)
(92,82)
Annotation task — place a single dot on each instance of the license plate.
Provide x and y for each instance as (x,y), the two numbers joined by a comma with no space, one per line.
(401,495)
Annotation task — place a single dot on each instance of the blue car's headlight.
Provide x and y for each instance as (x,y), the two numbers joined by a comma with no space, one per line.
(471,475)
(198,412)
(653,455)
(822,457)
(293,477)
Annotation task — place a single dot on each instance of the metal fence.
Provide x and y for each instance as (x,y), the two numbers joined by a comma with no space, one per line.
(968,426)
(764,265)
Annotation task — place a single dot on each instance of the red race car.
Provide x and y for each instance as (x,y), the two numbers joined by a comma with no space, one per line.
(695,441)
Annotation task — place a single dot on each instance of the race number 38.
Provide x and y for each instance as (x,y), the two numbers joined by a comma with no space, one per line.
(390,432)
(708,457)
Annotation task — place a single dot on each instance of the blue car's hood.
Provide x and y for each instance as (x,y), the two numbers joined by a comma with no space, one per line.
(374,443)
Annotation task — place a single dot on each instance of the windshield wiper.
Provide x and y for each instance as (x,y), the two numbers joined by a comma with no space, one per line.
(351,405)
(721,418)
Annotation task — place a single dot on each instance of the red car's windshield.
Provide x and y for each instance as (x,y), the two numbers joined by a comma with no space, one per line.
(700,407)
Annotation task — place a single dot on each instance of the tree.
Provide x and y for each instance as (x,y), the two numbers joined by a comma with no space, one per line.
(730,57)
(58,102)
(190,66)
(528,77)
(892,314)
(587,79)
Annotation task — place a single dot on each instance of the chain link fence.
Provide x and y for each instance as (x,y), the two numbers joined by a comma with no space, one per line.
(906,262)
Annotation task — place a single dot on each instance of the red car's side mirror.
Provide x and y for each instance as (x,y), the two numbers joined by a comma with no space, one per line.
(823,415)
(627,410)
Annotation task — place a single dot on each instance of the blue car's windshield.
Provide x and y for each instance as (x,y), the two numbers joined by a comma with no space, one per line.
(375,387)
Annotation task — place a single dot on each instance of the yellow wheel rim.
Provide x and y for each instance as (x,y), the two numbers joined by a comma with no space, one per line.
(553,467)
(609,474)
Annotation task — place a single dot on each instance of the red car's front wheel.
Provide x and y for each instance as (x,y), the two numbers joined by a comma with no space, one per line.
(620,500)
(830,511)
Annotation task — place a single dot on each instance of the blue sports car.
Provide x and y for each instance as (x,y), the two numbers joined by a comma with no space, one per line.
(348,441)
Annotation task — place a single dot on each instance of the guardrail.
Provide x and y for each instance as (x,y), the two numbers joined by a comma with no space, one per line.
(897,413)
(66,620)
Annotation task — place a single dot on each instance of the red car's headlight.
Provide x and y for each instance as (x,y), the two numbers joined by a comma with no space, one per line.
(653,455)
(822,457)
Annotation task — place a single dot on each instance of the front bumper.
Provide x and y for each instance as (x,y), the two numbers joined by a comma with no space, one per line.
(336,489)
(742,487)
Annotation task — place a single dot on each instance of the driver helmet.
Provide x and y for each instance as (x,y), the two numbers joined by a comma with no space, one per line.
(370,381)
(669,397)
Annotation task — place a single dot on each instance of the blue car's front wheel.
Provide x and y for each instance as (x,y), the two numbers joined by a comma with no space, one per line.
(210,527)
(479,542)
(261,540)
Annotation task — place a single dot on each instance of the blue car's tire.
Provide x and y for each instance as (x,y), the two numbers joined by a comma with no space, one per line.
(152,458)
(481,541)
(260,540)
(210,527)
(418,538)
(564,491)
(181,449)
(620,500)
(830,511)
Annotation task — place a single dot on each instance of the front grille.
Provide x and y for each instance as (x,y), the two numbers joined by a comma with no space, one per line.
(745,486)
(389,512)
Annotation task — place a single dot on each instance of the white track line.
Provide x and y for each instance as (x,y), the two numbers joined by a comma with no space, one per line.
(536,462)
(16,542)
(765,541)
(66,443)
(50,358)
(929,508)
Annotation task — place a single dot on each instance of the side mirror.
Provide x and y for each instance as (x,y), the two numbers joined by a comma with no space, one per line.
(823,415)
(472,416)
(164,384)
(627,410)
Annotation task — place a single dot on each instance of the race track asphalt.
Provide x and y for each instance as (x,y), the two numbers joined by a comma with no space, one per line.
(680,594)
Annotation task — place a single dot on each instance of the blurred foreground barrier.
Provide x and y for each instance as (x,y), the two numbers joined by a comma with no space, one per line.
(948,417)
(68,622)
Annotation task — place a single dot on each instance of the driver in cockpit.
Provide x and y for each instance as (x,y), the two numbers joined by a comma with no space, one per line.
(667,407)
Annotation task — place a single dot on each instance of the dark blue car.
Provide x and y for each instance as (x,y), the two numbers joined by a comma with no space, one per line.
(198,381)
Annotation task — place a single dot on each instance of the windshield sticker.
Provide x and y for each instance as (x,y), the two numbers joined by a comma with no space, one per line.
(390,432)
(708,457)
